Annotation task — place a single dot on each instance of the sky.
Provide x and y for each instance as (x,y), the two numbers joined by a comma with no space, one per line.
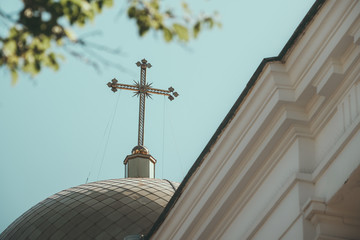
(65,128)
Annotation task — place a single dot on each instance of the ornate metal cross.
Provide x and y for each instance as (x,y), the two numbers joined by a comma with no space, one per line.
(142,89)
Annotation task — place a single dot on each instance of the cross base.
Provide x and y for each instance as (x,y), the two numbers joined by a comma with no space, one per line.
(140,164)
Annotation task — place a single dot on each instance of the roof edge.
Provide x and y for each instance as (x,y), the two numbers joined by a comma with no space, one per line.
(281,57)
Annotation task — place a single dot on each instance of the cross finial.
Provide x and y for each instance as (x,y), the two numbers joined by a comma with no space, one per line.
(142,89)
(143,64)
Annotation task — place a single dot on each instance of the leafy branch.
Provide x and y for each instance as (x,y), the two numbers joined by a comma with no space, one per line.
(41,26)
(150,16)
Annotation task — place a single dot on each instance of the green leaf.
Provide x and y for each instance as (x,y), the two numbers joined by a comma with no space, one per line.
(131,12)
(108,3)
(197,28)
(52,61)
(13,32)
(181,31)
(167,34)
(143,23)
(155,4)
(209,21)
(10,47)
(70,34)
(14,77)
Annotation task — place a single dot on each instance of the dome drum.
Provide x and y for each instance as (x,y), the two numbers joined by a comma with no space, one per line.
(140,164)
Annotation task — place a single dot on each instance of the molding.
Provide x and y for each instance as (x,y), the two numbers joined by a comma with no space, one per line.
(307,178)
(342,141)
(328,224)
(139,155)
(277,199)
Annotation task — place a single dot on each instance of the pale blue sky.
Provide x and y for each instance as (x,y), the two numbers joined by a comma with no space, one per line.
(54,128)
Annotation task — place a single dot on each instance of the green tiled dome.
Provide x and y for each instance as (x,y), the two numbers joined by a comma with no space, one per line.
(110,209)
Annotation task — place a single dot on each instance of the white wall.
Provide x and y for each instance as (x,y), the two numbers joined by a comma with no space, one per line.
(277,167)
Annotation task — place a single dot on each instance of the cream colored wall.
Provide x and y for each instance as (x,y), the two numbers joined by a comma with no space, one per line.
(289,149)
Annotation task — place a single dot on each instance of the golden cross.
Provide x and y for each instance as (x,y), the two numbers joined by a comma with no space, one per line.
(142,89)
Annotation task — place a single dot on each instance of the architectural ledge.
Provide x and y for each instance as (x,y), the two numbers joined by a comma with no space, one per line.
(139,155)
(313,207)
(330,224)
(356,34)
(335,227)
(331,80)
(357,37)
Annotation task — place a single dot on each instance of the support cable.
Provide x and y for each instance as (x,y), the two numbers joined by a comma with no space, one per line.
(98,149)
(163,143)
(182,162)
(108,136)
(106,129)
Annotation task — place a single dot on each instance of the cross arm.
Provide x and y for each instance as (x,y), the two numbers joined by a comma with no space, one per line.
(115,86)
(170,93)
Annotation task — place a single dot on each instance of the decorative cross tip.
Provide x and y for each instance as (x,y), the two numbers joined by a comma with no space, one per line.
(143,64)
(172,94)
(112,85)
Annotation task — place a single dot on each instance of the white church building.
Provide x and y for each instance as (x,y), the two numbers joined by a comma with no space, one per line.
(285,161)
(283,164)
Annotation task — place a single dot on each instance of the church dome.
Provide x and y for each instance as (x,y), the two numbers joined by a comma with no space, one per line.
(110,209)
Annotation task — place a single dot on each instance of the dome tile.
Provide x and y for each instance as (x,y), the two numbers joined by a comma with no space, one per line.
(152,216)
(98,205)
(60,222)
(74,232)
(107,210)
(144,200)
(104,223)
(145,210)
(103,236)
(58,235)
(115,216)
(124,210)
(126,200)
(108,200)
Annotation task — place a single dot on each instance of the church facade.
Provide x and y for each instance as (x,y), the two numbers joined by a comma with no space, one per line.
(284,163)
